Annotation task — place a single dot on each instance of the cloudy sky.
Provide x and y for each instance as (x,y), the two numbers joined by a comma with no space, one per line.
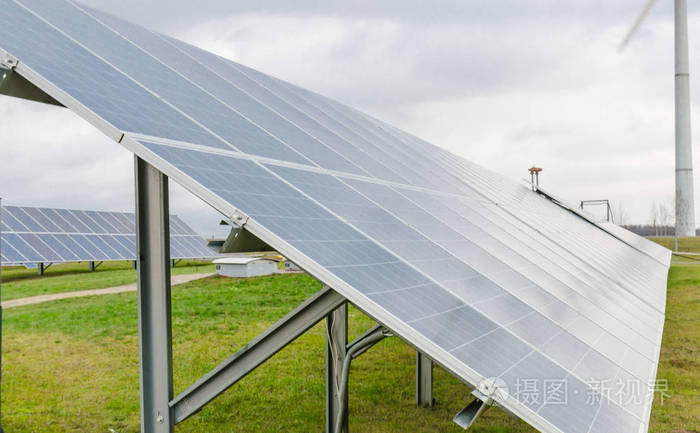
(506,84)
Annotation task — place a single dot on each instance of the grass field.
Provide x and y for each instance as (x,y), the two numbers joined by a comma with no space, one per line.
(20,282)
(685,245)
(72,365)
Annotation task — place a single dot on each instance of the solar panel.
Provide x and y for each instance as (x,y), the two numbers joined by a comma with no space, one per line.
(493,281)
(43,235)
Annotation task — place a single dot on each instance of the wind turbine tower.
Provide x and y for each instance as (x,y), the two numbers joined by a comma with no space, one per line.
(685,199)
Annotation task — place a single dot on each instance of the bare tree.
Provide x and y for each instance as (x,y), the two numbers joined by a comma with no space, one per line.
(665,218)
(671,208)
(619,213)
(655,217)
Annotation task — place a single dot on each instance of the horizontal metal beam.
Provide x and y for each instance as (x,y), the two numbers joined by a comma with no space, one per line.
(255,353)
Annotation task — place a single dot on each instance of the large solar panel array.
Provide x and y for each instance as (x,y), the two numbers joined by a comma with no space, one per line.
(491,280)
(42,235)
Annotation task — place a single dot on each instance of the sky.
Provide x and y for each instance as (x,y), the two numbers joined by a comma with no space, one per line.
(506,84)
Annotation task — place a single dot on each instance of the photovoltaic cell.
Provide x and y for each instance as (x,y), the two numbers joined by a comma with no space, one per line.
(490,279)
(75,247)
(64,235)
(295,114)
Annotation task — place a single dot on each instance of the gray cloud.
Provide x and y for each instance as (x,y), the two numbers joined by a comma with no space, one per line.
(176,14)
(506,84)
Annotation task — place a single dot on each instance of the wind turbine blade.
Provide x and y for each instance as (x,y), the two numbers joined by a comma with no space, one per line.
(637,23)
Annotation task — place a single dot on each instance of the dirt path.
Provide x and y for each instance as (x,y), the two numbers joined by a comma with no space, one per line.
(175,280)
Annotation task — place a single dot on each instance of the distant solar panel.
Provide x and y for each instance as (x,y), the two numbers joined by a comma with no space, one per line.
(493,281)
(42,235)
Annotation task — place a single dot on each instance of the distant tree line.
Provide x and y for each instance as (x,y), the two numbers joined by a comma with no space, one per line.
(654,230)
(662,218)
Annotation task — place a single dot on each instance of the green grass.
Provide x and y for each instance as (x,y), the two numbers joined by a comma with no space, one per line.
(685,245)
(20,282)
(72,365)
(680,354)
(688,245)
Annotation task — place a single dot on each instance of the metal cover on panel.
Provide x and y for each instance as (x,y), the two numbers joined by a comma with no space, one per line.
(496,283)
(44,235)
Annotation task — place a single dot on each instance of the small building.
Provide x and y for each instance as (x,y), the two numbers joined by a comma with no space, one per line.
(243,267)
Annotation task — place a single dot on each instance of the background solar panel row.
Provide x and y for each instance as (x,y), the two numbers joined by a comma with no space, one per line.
(483,275)
(44,235)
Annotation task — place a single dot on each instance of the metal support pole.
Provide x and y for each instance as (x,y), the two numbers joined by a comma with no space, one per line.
(40,269)
(135,265)
(92,266)
(337,340)
(155,332)
(355,349)
(424,380)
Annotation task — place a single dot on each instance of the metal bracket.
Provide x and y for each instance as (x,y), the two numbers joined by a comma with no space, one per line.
(239,218)
(467,416)
(8,61)
(14,84)
(42,267)
(485,395)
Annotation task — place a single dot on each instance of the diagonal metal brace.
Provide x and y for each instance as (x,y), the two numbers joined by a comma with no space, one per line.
(13,84)
(255,353)
(484,397)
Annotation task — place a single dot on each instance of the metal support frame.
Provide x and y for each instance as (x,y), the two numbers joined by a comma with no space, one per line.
(93,266)
(155,331)
(174,262)
(424,380)
(134,265)
(359,346)
(41,268)
(336,348)
(468,416)
(253,354)
(13,84)
(603,202)
(159,410)
(485,395)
